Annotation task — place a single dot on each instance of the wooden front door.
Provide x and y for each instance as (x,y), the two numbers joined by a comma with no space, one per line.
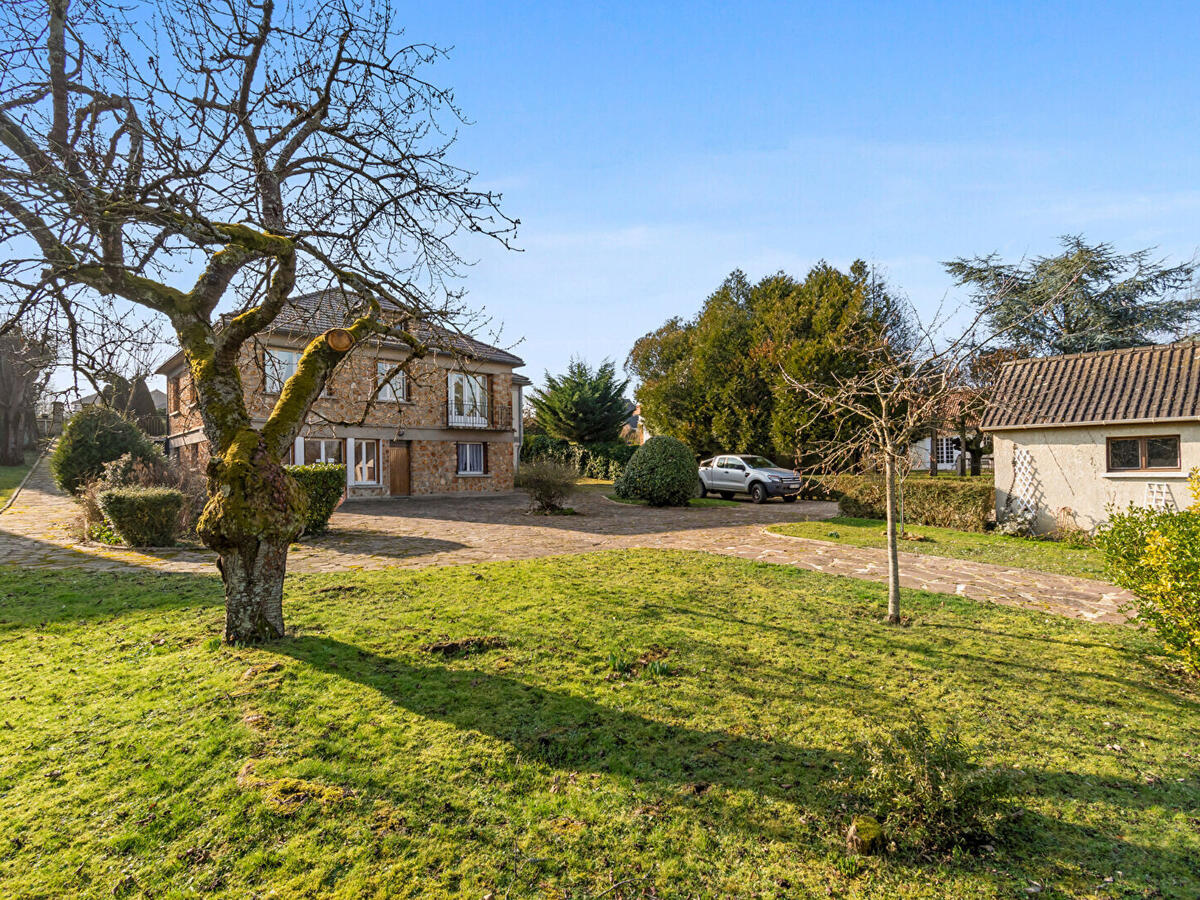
(398,466)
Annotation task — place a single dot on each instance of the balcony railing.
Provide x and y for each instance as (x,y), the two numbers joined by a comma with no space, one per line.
(460,415)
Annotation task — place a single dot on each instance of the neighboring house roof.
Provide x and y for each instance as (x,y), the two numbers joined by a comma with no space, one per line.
(159,398)
(1142,384)
(319,311)
(520,380)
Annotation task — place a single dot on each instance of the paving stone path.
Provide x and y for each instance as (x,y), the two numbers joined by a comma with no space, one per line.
(38,530)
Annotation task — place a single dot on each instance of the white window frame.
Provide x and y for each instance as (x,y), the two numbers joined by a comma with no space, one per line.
(394,391)
(468,399)
(944,451)
(278,367)
(463,451)
(359,458)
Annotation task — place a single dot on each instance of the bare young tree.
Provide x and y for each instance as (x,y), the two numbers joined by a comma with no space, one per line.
(915,378)
(172,158)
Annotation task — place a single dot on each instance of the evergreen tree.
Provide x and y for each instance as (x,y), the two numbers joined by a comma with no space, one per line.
(583,406)
(1088,297)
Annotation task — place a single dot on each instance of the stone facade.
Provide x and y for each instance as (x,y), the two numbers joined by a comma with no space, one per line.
(350,413)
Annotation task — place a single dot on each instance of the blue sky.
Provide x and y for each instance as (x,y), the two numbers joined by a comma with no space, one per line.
(650,148)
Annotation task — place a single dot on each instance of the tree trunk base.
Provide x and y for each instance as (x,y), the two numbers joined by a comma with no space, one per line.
(253,579)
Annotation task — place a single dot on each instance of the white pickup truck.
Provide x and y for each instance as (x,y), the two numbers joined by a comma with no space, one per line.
(747,474)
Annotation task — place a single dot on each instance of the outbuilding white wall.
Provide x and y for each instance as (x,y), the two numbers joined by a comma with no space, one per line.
(1069,471)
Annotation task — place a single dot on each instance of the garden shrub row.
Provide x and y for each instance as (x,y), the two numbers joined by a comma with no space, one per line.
(602,460)
(967,505)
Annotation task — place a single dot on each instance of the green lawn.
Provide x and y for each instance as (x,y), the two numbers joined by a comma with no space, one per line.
(139,757)
(1043,556)
(11,477)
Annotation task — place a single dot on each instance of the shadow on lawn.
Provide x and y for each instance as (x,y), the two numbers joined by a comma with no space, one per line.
(577,734)
(571,732)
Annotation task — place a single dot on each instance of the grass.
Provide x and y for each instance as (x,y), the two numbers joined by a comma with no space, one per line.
(1024,553)
(140,757)
(11,478)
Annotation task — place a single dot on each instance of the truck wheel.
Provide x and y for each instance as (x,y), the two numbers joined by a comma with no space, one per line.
(726,495)
(758,493)
(703,491)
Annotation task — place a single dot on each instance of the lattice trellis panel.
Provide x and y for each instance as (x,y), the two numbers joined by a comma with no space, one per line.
(1158,495)
(1024,482)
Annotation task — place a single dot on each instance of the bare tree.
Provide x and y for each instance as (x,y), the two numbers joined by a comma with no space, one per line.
(915,378)
(181,156)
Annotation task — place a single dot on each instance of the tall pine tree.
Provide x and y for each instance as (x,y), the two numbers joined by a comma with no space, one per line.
(582,406)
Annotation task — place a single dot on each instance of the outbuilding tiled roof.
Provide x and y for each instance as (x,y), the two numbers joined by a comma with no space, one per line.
(1141,384)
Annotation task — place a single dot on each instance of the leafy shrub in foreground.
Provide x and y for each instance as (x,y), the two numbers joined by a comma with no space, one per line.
(547,482)
(662,472)
(943,502)
(1155,554)
(324,483)
(926,789)
(143,516)
(92,437)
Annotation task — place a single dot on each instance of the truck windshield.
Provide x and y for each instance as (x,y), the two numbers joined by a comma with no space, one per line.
(758,462)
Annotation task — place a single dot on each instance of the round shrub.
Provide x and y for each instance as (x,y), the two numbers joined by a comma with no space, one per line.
(662,472)
(93,437)
(143,516)
(324,483)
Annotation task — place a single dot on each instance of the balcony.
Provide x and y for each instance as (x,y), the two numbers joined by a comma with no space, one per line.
(496,418)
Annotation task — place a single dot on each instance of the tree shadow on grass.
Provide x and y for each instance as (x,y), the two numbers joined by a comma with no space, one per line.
(573,733)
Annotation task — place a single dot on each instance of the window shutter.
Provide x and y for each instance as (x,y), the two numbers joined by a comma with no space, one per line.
(485,459)
(457,457)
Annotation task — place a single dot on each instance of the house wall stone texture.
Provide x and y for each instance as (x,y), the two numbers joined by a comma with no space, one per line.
(347,411)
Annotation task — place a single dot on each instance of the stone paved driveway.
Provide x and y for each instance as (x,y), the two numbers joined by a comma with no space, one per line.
(37,531)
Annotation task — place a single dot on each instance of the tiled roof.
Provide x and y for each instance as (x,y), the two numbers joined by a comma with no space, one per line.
(319,311)
(1141,384)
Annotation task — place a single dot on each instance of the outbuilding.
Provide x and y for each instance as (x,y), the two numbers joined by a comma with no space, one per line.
(1076,435)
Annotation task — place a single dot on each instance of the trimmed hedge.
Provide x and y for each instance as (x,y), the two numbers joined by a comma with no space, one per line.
(662,472)
(324,483)
(93,437)
(601,460)
(143,516)
(967,505)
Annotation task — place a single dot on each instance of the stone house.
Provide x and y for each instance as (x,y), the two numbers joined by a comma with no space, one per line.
(448,424)
(1074,435)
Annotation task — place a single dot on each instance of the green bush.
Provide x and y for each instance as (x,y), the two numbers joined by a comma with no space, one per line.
(601,460)
(92,437)
(324,483)
(1155,554)
(547,482)
(662,472)
(143,516)
(967,505)
(926,789)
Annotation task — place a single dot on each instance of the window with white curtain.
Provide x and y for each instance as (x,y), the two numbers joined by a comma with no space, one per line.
(394,390)
(280,365)
(468,399)
(470,459)
(366,462)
